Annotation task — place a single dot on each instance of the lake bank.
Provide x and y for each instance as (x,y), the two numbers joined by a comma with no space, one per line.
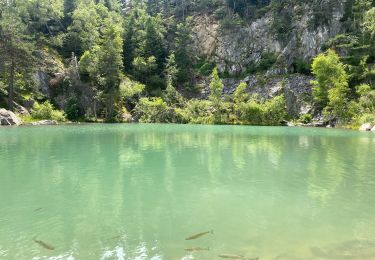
(8,118)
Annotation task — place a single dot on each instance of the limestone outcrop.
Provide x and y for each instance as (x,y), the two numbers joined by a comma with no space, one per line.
(8,118)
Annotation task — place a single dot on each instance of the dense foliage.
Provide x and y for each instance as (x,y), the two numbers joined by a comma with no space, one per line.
(137,57)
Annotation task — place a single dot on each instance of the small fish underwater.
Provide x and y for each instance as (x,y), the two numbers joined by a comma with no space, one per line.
(229,256)
(194,249)
(43,244)
(199,235)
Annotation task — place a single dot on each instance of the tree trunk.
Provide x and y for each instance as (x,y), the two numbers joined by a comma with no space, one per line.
(11,82)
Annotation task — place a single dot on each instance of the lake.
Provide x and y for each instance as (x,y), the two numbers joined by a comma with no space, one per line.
(136,191)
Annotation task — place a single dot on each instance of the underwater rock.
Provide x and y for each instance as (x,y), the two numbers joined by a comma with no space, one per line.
(352,249)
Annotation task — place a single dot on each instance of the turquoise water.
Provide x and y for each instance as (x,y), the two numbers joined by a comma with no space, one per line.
(137,191)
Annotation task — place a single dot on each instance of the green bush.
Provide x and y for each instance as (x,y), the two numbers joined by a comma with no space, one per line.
(249,113)
(154,110)
(199,111)
(254,112)
(267,61)
(301,66)
(362,119)
(205,67)
(46,111)
(306,118)
(275,111)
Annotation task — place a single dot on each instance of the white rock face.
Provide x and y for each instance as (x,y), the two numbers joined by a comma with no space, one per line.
(366,127)
(45,122)
(8,118)
(234,49)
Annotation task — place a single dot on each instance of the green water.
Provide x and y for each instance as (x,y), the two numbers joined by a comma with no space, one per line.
(137,191)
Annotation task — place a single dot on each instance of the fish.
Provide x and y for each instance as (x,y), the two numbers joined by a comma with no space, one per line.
(231,256)
(199,235)
(38,209)
(192,249)
(43,244)
(227,256)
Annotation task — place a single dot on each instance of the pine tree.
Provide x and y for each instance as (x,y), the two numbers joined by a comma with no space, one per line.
(184,53)
(16,47)
(154,43)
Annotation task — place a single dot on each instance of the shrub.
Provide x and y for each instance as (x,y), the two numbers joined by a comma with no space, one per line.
(306,118)
(367,98)
(47,111)
(301,66)
(206,68)
(199,111)
(267,61)
(154,110)
(250,113)
(275,111)
(254,112)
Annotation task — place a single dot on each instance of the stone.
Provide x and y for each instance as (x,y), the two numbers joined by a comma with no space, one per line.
(126,118)
(45,122)
(373,129)
(233,50)
(366,127)
(8,118)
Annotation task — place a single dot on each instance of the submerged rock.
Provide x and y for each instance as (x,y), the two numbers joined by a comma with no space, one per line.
(366,127)
(353,249)
(45,122)
(8,118)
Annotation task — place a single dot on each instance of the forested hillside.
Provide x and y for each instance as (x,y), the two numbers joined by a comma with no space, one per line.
(262,62)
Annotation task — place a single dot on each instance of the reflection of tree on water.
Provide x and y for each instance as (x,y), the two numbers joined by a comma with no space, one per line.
(337,163)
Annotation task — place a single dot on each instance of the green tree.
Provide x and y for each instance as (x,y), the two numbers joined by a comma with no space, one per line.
(16,46)
(216,87)
(330,88)
(84,31)
(103,62)
(110,63)
(171,69)
(170,94)
(240,95)
(219,106)
(184,53)
(369,22)
(130,44)
(359,9)
(154,44)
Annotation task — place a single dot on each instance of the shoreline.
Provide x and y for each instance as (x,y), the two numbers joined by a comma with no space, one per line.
(26,125)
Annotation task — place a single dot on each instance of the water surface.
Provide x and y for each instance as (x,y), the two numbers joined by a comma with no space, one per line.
(137,191)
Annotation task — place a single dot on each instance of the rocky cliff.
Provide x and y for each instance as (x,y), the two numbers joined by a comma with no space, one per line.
(301,37)
(236,50)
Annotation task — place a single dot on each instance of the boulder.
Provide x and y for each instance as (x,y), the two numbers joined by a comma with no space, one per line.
(45,122)
(366,127)
(373,129)
(8,118)
(126,118)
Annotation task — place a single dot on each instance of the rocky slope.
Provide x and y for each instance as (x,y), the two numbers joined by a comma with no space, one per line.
(235,48)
